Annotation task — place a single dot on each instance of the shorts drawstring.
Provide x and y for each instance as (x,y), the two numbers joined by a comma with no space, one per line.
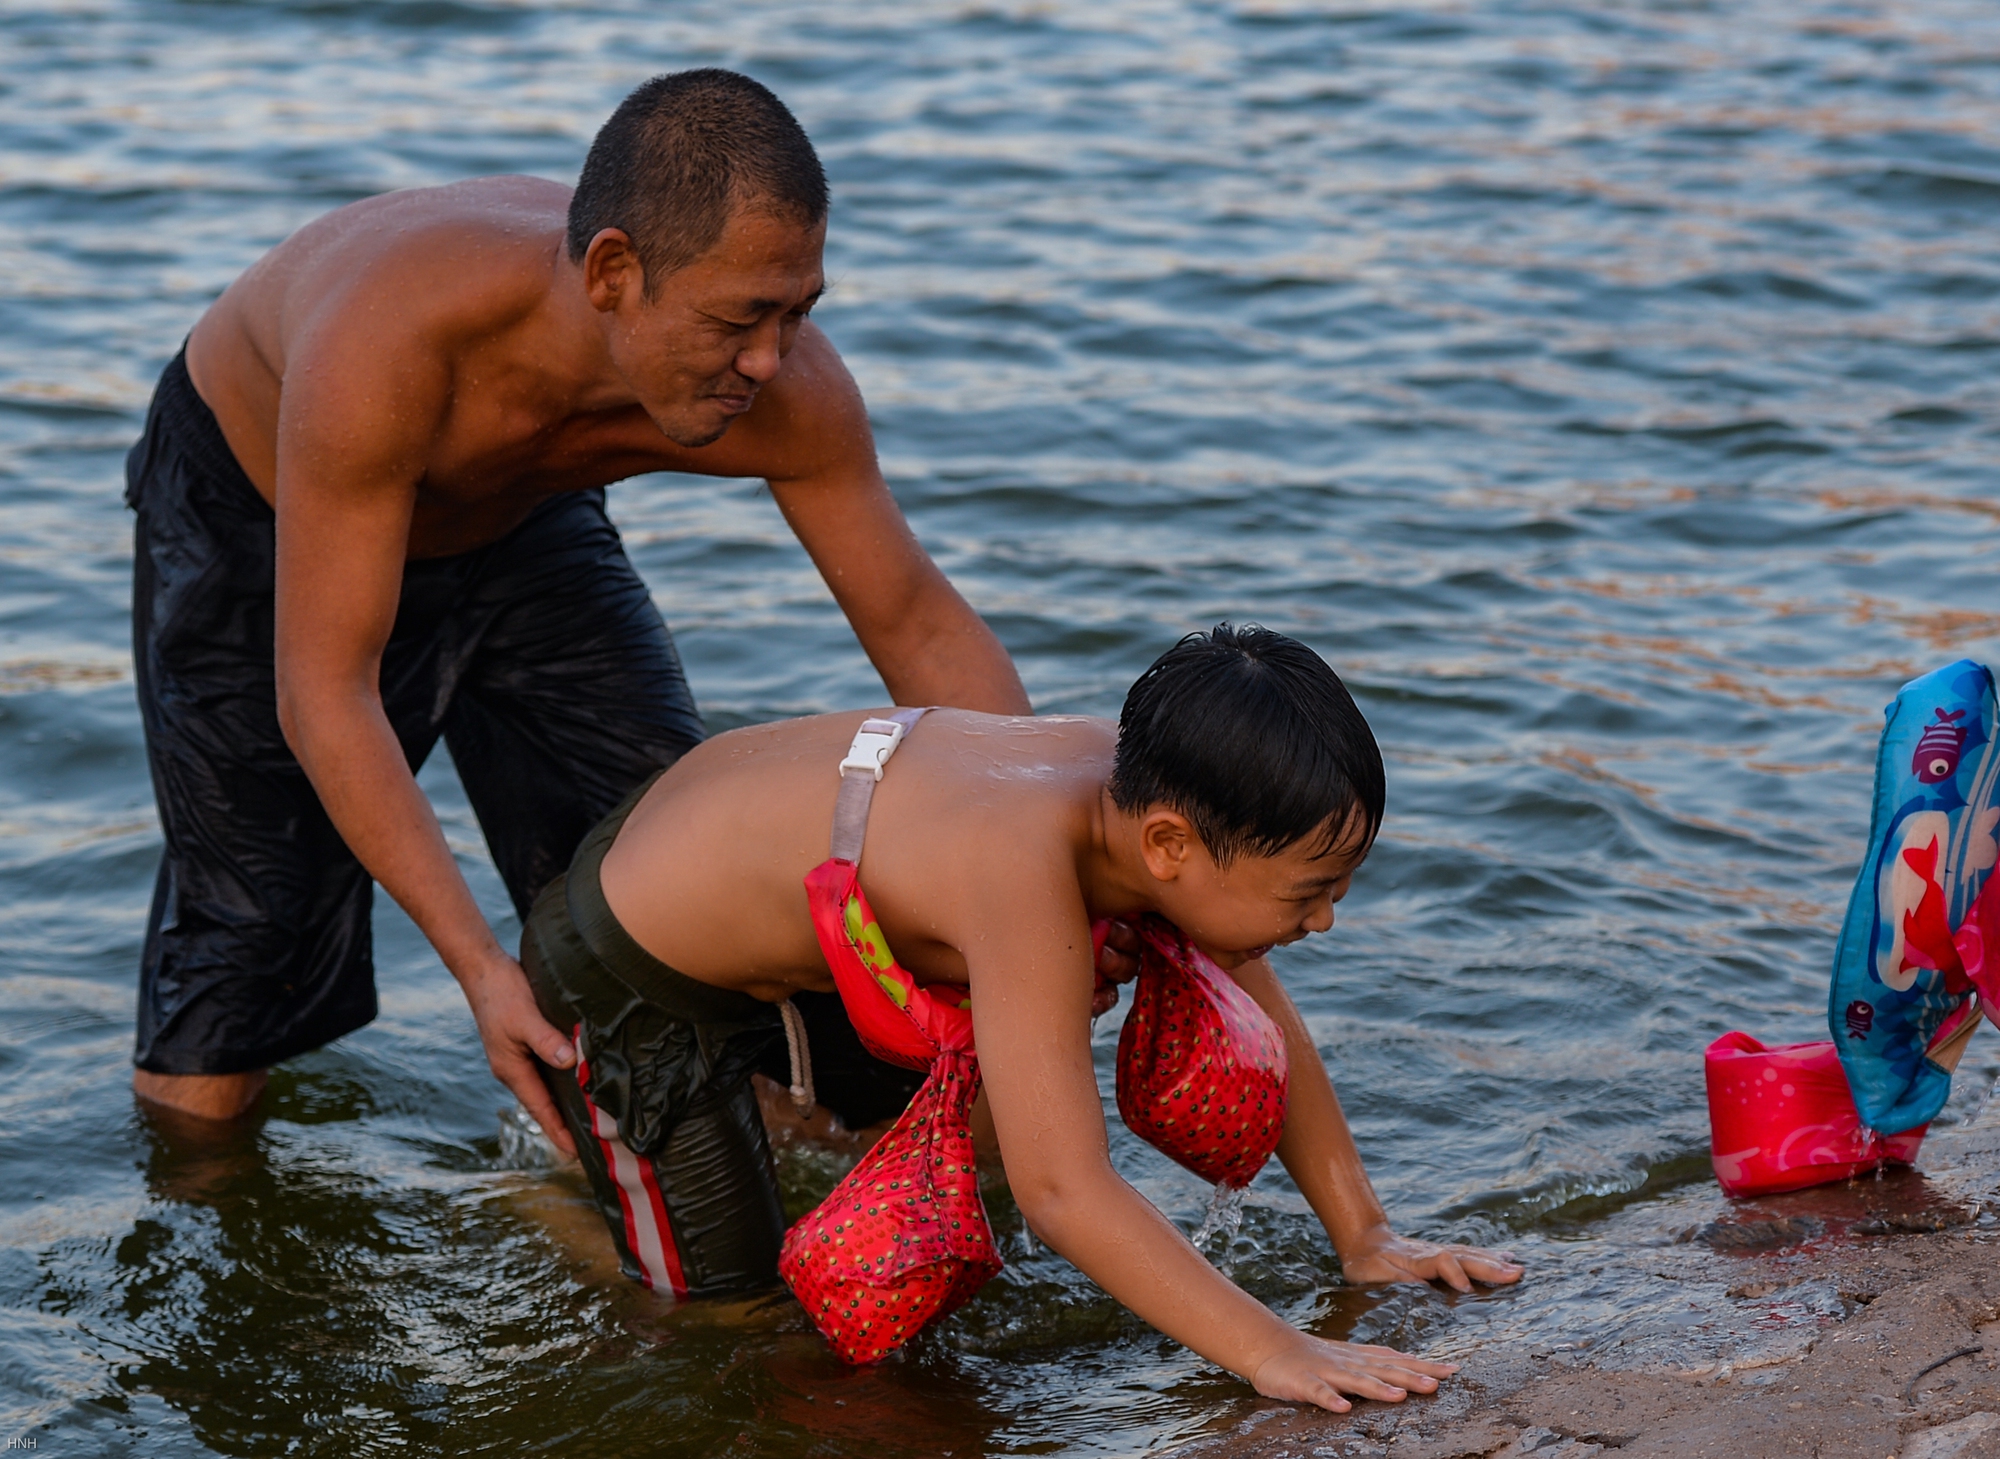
(802,1069)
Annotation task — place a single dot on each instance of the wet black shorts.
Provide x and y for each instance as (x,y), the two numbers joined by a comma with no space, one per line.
(540,659)
(664,1115)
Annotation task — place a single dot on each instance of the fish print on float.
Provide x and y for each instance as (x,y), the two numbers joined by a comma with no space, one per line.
(1939,748)
(1911,948)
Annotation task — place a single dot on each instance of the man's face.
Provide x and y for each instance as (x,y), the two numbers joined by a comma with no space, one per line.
(717,329)
(1241,911)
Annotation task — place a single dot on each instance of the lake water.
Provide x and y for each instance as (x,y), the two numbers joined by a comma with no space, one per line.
(1604,388)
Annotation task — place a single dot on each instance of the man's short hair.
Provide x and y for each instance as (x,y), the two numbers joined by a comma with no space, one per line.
(1254,739)
(680,155)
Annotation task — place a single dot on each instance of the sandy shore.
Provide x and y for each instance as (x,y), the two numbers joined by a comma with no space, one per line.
(1902,1363)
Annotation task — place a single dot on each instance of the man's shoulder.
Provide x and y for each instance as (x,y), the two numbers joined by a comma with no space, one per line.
(470,217)
(479,209)
(375,319)
(420,273)
(449,255)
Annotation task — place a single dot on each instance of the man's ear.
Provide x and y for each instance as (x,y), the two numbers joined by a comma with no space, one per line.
(611,270)
(1166,840)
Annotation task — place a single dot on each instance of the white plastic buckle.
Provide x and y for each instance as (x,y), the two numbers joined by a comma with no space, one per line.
(874,743)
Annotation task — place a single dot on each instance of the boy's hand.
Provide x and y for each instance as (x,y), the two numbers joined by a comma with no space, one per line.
(1117,962)
(1313,1370)
(1387,1257)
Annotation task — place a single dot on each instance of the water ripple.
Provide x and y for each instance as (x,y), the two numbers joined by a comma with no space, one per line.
(1601,387)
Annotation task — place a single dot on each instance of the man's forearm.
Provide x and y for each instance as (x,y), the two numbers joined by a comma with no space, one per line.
(356,765)
(944,654)
(352,757)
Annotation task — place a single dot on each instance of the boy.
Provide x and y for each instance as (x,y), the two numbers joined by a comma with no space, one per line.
(1236,797)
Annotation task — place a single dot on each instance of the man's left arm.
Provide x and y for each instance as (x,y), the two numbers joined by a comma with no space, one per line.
(1318,1152)
(810,439)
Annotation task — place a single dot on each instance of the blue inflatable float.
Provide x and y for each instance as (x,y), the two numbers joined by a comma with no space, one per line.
(1912,948)
(1911,972)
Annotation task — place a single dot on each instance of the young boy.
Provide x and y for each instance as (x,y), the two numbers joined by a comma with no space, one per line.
(1236,796)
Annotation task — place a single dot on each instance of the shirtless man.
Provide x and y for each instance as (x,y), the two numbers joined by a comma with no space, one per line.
(370,513)
(1236,797)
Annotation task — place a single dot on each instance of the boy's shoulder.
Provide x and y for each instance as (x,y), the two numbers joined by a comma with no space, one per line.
(1061,734)
(1035,750)
(963,786)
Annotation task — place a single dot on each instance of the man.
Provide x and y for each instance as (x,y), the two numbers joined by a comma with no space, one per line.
(370,512)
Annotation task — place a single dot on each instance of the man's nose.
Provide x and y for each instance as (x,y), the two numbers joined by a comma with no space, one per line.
(1321,918)
(759,360)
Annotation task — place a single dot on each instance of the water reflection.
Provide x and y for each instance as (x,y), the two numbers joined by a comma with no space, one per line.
(263,1290)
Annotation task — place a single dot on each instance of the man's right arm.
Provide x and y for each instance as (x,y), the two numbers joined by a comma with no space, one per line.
(352,441)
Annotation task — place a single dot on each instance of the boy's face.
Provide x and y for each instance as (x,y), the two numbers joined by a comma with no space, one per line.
(1242,910)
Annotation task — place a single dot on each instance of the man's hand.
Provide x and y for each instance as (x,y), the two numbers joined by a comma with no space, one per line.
(515,1035)
(1387,1257)
(1117,962)
(1313,1370)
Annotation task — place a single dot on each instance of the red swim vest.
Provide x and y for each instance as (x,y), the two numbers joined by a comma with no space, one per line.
(903,1240)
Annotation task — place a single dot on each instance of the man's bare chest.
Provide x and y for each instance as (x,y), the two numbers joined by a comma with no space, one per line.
(482,451)
(488,469)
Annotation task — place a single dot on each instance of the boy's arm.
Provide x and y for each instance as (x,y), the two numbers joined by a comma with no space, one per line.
(1031,979)
(1318,1151)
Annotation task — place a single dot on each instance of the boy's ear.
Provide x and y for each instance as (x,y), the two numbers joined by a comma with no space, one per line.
(1166,840)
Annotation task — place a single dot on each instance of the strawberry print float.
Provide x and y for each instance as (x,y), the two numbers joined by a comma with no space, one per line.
(1201,1068)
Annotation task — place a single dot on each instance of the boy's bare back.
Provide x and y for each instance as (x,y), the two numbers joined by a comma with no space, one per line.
(708,872)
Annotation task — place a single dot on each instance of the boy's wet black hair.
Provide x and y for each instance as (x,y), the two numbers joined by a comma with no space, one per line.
(680,155)
(1254,739)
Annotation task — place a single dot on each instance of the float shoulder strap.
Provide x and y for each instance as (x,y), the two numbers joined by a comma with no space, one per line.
(874,743)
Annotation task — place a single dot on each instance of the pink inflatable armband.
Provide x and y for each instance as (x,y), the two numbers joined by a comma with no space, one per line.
(1781,1119)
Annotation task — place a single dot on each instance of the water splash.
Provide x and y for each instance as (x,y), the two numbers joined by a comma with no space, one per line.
(1224,1220)
(523,1146)
(1985,1103)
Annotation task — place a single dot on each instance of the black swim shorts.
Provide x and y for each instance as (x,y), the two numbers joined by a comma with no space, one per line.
(661,1106)
(540,659)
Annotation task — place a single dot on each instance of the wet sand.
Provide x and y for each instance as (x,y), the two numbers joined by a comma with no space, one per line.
(1903,1364)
